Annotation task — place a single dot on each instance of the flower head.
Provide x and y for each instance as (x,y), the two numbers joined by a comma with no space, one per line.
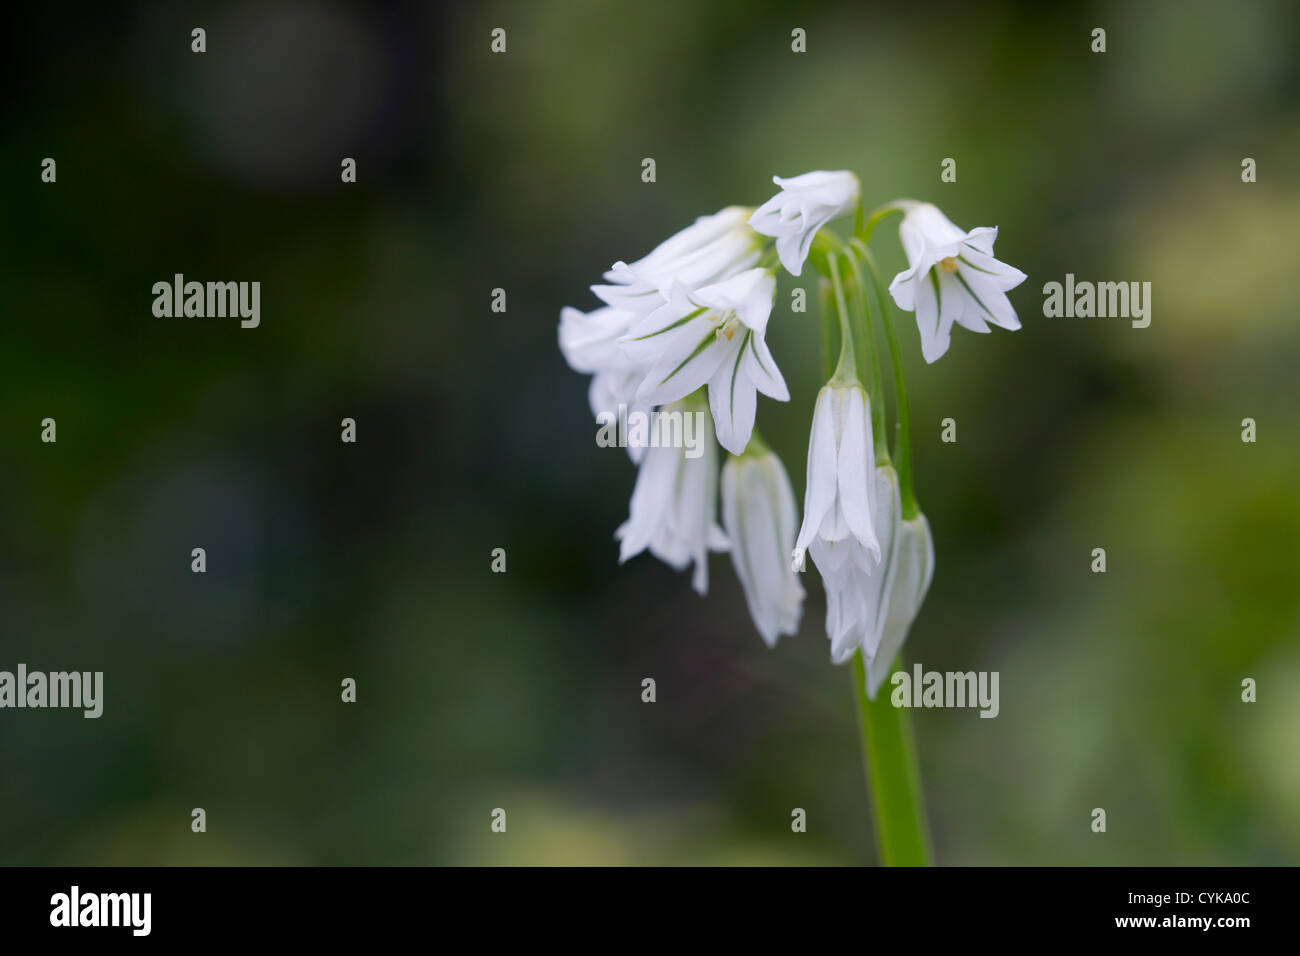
(804,204)
(692,315)
(951,277)
(674,505)
(715,335)
(758,513)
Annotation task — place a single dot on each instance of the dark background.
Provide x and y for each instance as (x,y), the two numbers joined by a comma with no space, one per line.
(522,690)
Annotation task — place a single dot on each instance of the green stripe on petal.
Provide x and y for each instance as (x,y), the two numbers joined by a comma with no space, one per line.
(672,325)
(971,293)
(735,374)
(704,344)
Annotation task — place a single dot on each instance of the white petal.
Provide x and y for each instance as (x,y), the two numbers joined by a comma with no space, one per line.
(733,400)
(761,368)
(703,233)
(651,497)
(991,302)
(1004,276)
(915,571)
(692,356)
(820,489)
(929,222)
(903,289)
(982,239)
(876,589)
(856,469)
(748,294)
(934,339)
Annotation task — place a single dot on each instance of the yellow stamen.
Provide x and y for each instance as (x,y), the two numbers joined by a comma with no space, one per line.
(948,265)
(726,322)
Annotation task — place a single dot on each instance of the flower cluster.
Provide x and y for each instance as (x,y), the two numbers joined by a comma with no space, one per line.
(684,329)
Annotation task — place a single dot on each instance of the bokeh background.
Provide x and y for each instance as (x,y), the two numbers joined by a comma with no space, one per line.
(522,690)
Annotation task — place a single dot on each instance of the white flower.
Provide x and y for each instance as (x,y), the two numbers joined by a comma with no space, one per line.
(589,343)
(589,340)
(711,244)
(611,389)
(883,604)
(759,517)
(841,457)
(709,250)
(857,592)
(714,335)
(874,592)
(952,277)
(914,560)
(804,204)
(712,249)
(838,521)
(674,505)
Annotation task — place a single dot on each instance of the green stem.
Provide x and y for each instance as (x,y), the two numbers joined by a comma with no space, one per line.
(828,330)
(846,371)
(756,446)
(868,337)
(862,230)
(903,447)
(893,774)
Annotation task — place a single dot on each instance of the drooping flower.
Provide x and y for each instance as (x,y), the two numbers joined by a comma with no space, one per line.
(857,592)
(589,340)
(612,396)
(951,277)
(589,343)
(711,249)
(758,513)
(883,604)
(914,560)
(673,511)
(838,521)
(841,457)
(692,314)
(711,244)
(715,335)
(804,204)
(886,519)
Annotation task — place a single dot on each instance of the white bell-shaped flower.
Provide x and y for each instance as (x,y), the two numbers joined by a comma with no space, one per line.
(674,506)
(715,335)
(951,277)
(838,521)
(913,571)
(804,204)
(589,342)
(711,249)
(758,514)
(857,590)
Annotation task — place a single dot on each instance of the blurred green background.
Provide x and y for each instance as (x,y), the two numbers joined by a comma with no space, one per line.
(522,690)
